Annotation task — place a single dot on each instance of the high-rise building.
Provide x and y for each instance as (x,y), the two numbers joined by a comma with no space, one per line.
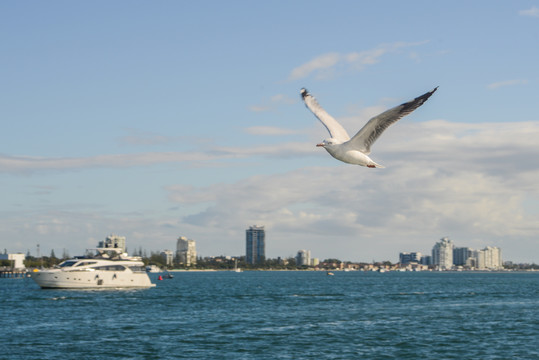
(186,251)
(113,241)
(303,258)
(255,244)
(442,254)
(426,260)
(464,256)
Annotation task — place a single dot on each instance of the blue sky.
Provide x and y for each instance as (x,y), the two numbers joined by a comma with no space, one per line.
(155,120)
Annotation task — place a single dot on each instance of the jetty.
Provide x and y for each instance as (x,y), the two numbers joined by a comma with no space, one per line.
(13,273)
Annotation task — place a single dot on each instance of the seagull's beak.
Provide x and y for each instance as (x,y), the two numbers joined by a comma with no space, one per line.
(321,144)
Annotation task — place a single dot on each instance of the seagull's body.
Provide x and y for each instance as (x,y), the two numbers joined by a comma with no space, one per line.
(355,150)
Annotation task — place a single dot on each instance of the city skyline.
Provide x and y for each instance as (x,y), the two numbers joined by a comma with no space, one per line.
(443,253)
(154,120)
(445,256)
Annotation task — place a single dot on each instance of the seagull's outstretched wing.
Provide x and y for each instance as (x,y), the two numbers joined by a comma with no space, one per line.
(365,137)
(335,129)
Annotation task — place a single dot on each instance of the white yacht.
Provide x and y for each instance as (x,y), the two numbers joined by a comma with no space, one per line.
(108,268)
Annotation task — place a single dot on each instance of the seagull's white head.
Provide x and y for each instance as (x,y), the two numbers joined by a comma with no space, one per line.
(328,142)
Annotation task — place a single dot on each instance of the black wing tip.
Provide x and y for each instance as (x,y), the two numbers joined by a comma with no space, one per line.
(425,96)
(431,92)
(410,106)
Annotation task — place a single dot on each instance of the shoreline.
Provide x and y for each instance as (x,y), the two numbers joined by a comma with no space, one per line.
(366,271)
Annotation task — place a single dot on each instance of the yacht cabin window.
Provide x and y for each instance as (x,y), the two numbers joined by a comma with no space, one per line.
(110,268)
(68,263)
(86,263)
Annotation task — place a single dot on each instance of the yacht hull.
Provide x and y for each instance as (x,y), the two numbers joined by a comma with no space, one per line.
(58,279)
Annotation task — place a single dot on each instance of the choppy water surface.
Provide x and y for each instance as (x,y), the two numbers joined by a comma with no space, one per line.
(279,315)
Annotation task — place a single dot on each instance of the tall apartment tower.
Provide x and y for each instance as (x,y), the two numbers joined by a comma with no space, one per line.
(186,251)
(442,254)
(113,241)
(255,244)
(464,256)
(303,258)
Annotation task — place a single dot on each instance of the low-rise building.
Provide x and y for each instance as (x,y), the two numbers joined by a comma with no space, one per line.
(409,257)
(17,260)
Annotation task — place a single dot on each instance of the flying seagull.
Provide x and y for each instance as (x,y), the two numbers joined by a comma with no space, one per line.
(356,149)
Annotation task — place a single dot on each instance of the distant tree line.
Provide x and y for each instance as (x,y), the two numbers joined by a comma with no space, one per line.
(511,266)
(45,261)
(223,263)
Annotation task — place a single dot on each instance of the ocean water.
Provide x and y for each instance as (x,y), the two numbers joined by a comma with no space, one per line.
(279,315)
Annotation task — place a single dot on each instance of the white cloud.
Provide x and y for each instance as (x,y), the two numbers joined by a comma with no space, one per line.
(319,63)
(424,141)
(270,131)
(326,65)
(137,138)
(533,12)
(281,150)
(501,84)
(77,230)
(29,164)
